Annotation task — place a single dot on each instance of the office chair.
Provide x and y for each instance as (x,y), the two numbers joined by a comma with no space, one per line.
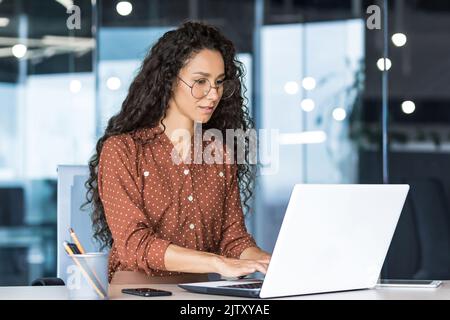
(431,211)
(420,248)
(402,260)
(48,282)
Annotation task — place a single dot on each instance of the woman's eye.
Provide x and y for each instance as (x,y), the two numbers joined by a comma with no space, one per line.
(201,81)
(219,82)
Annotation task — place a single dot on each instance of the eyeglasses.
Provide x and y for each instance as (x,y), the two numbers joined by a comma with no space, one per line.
(202,87)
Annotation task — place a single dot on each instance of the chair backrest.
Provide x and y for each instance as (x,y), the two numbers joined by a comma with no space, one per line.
(71,196)
(431,213)
(421,245)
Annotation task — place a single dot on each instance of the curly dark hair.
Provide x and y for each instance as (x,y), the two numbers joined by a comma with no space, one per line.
(148,98)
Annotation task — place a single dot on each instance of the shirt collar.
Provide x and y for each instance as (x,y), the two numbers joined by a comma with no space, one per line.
(147,134)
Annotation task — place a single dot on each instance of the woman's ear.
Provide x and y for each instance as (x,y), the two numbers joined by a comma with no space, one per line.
(175,84)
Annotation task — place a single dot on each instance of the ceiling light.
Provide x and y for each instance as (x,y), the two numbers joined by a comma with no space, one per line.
(291,87)
(309,83)
(339,114)
(113,83)
(19,50)
(399,39)
(408,107)
(124,8)
(4,22)
(308,105)
(381,62)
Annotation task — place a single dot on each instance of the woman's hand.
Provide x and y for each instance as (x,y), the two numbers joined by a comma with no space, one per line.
(255,253)
(229,267)
(264,256)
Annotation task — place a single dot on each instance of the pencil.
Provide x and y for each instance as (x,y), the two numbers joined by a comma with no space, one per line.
(81,249)
(76,241)
(70,252)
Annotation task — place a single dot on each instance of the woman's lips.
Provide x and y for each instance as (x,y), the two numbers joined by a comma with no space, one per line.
(206,109)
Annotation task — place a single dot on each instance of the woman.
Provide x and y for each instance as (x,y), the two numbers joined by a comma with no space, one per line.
(166,219)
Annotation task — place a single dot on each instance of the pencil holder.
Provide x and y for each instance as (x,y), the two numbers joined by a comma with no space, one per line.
(87,277)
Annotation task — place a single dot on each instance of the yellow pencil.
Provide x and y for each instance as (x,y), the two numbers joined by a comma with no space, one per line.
(80,248)
(70,252)
(76,241)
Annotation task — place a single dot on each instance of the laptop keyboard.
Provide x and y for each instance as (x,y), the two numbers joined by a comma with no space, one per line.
(257,285)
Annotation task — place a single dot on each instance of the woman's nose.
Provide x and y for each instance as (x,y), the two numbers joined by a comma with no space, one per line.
(213,94)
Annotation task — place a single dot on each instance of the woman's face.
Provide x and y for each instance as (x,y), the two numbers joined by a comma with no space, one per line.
(205,65)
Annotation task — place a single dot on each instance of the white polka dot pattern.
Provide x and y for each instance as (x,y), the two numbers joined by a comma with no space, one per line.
(200,209)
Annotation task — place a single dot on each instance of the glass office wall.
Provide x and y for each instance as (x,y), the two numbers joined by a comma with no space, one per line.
(420,133)
(47,117)
(313,76)
(313,70)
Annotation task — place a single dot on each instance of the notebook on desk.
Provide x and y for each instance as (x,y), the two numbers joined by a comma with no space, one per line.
(333,238)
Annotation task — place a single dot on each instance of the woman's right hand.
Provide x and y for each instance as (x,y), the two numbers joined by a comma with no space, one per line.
(229,267)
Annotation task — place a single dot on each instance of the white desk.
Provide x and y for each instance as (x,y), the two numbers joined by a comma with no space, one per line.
(60,293)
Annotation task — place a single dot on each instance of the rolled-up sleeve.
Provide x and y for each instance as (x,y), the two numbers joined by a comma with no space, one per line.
(135,241)
(235,238)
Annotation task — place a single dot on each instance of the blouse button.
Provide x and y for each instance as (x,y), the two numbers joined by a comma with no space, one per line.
(146,173)
(190,198)
(192,226)
(220,174)
(186,172)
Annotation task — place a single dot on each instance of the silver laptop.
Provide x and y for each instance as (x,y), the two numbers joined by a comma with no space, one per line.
(333,238)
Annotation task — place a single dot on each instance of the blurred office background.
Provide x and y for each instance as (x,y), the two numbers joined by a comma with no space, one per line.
(312,66)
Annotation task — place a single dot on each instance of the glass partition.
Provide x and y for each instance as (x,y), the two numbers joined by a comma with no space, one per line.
(314,80)
(419,138)
(47,117)
(316,62)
